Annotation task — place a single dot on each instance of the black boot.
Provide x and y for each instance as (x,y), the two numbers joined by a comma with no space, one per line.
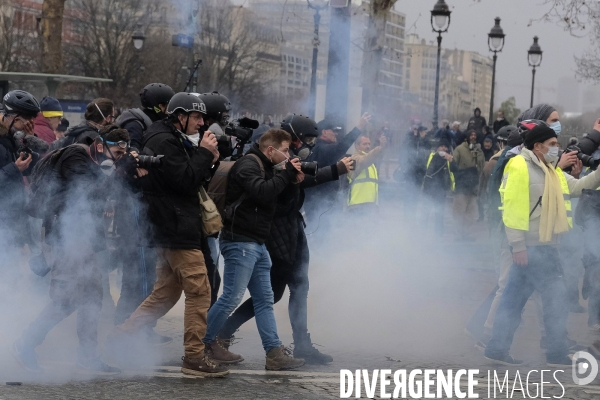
(303,348)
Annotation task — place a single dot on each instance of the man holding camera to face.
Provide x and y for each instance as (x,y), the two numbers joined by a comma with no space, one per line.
(255,182)
(288,250)
(174,211)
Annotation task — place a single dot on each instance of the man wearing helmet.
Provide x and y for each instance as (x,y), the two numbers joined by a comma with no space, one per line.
(171,195)
(154,98)
(18,111)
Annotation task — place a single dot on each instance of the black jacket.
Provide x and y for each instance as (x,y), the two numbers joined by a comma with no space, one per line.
(288,223)
(77,134)
(171,191)
(437,177)
(12,200)
(478,122)
(500,124)
(251,220)
(136,121)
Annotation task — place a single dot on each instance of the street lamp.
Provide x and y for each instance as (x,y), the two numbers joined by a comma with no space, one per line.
(138,37)
(496,44)
(316,5)
(534,57)
(440,22)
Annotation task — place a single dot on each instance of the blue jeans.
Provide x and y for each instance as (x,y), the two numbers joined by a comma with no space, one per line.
(544,274)
(247,265)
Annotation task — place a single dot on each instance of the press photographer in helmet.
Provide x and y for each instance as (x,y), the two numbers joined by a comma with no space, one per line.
(216,120)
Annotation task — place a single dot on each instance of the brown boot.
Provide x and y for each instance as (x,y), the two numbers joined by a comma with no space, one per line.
(280,358)
(202,367)
(219,353)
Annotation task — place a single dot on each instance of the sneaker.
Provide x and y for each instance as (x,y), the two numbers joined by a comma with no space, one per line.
(157,340)
(559,362)
(26,357)
(218,352)
(504,360)
(96,366)
(280,358)
(480,345)
(203,367)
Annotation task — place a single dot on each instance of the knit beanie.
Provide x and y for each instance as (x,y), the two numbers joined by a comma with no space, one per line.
(541,112)
(51,107)
(538,134)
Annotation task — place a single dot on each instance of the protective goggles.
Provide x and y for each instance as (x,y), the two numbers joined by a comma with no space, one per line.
(121,143)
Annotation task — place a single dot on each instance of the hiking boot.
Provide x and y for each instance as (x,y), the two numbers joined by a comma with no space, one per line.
(26,357)
(204,367)
(95,366)
(503,359)
(280,358)
(218,352)
(306,350)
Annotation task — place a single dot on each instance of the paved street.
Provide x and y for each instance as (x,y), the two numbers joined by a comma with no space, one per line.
(383,296)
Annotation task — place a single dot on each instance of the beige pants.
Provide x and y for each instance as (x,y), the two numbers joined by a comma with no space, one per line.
(465,213)
(177,271)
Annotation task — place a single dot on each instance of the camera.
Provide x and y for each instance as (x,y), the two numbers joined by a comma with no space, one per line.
(241,129)
(308,167)
(128,163)
(21,139)
(586,160)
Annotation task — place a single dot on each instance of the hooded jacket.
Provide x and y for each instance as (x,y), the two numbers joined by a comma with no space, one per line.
(477,121)
(520,240)
(43,130)
(251,220)
(77,134)
(136,121)
(171,191)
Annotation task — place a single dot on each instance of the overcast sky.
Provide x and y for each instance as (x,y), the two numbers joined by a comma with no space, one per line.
(471,22)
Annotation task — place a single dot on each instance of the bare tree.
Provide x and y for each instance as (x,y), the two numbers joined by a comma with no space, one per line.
(378,11)
(51,35)
(235,52)
(18,39)
(105,48)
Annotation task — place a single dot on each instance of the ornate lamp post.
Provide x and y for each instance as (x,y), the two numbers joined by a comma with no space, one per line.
(440,22)
(496,44)
(534,57)
(316,5)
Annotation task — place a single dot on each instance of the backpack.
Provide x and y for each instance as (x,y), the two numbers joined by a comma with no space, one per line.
(44,181)
(217,187)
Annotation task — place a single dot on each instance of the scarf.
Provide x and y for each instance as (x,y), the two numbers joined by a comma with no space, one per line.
(554,214)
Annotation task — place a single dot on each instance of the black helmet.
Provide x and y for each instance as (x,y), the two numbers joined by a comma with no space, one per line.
(185,102)
(154,94)
(301,127)
(216,106)
(505,132)
(20,102)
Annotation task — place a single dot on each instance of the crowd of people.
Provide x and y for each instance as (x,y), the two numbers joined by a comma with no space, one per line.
(174,185)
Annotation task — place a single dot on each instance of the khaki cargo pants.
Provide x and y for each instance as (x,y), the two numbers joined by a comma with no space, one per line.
(176,271)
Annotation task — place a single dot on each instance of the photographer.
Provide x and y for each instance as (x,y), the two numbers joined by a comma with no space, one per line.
(154,99)
(171,195)
(251,203)
(18,112)
(288,249)
(136,258)
(73,222)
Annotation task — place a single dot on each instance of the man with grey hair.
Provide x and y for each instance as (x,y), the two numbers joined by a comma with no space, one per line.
(459,136)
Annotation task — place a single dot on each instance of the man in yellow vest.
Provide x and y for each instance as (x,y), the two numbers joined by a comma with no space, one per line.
(536,208)
(438,181)
(364,180)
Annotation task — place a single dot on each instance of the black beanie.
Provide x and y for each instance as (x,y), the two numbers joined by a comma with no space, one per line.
(539,134)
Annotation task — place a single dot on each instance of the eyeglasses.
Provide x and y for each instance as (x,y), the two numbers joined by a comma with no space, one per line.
(121,143)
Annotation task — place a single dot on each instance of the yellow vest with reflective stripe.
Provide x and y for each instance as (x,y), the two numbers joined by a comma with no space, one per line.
(452,183)
(365,187)
(514,193)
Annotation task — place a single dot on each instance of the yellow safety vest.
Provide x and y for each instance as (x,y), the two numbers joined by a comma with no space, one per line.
(365,187)
(452,183)
(514,193)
